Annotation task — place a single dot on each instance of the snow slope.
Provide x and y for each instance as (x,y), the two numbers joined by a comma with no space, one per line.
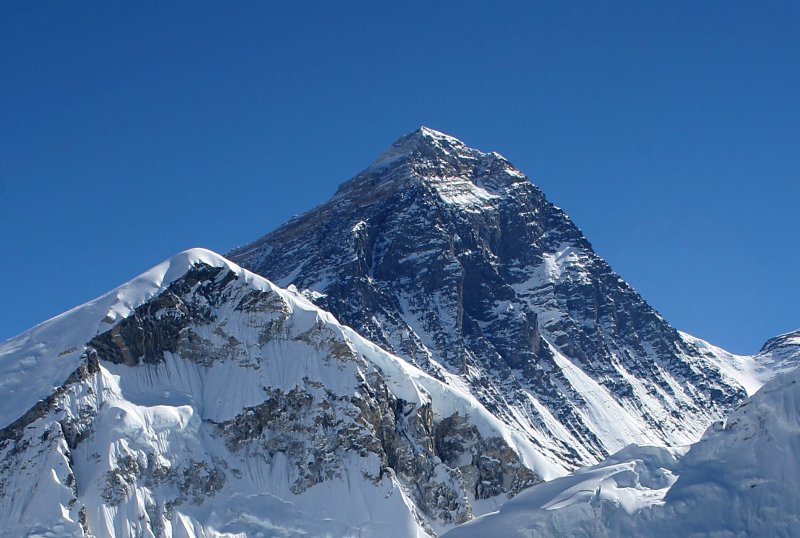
(740,479)
(201,400)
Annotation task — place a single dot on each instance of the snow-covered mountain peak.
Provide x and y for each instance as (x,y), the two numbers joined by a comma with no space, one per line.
(790,340)
(427,135)
(484,347)
(422,141)
(459,174)
(424,163)
(200,395)
(450,258)
(28,372)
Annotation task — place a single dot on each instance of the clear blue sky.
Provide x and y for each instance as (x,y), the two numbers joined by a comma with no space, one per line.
(669,131)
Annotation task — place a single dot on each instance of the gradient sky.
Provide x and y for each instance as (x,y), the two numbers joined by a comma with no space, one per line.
(668,131)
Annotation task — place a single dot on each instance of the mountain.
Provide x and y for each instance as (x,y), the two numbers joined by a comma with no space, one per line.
(777,356)
(452,259)
(740,479)
(201,400)
(439,338)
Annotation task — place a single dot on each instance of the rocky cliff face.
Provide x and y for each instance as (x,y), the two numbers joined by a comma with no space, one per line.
(452,259)
(218,402)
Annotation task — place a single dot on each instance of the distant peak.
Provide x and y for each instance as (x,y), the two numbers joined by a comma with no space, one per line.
(432,156)
(427,132)
(422,141)
(783,340)
(426,135)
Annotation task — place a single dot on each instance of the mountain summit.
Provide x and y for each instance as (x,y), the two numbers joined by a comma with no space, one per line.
(443,161)
(421,141)
(451,258)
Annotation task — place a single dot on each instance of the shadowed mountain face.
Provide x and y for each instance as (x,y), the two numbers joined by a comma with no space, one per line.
(452,259)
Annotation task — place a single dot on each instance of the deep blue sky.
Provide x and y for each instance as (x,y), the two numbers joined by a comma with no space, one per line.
(669,131)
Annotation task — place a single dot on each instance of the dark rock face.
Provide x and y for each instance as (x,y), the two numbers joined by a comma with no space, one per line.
(164,324)
(787,343)
(195,481)
(440,464)
(452,259)
(73,429)
(494,470)
(49,432)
